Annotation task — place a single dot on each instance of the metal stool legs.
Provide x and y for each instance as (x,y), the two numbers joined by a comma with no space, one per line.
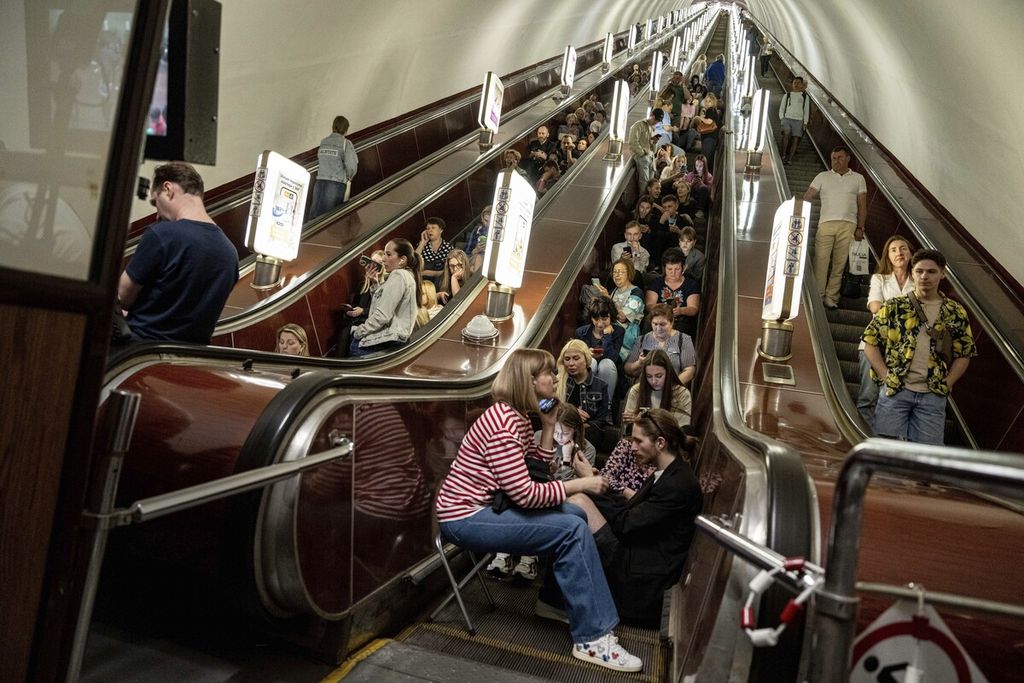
(457,586)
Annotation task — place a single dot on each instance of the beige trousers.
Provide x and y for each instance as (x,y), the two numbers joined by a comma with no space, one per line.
(832,249)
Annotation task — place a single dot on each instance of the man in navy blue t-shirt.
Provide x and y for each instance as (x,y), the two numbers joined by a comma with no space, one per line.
(184,268)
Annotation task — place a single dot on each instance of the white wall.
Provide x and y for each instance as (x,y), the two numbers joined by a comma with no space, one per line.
(940,83)
(288,68)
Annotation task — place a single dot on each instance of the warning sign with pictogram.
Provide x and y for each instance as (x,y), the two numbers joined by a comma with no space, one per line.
(910,643)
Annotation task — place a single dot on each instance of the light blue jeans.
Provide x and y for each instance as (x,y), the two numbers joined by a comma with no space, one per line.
(911,416)
(606,370)
(867,397)
(560,532)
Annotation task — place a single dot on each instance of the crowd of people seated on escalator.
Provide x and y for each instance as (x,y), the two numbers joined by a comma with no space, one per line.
(532,494)
(623,386)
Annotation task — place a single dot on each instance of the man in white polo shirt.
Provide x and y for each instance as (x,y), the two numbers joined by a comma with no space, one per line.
(844,210)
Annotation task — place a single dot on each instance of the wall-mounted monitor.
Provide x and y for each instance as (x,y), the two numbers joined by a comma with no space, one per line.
(182,121)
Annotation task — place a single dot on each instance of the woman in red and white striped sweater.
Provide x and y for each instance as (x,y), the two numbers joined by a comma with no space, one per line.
(492,458)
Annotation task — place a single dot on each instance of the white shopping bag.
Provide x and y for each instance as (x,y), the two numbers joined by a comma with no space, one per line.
(859,254)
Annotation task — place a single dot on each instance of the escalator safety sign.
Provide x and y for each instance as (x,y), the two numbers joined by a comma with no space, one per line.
(902,638)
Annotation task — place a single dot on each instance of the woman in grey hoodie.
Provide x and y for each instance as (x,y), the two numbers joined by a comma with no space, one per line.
(394,305)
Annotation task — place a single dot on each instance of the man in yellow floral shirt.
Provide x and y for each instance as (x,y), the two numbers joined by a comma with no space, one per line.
(905,358)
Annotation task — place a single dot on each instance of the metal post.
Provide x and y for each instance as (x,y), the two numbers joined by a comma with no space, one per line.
(836,602)
(122,409)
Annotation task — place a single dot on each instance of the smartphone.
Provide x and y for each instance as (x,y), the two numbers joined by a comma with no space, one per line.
(365,261)
(548,404)
(596,281)
(627,250)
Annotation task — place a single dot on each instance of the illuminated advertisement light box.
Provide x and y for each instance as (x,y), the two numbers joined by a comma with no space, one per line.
(620,110)
(661,24)
(490,103)
(656,68)
(569,66)
(647,30)
(634,30)
(278,207)
(674,54)
(609,45)
(786,258)
(509,235)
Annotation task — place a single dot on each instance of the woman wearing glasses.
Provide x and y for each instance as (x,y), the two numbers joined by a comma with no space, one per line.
(455,273)
(644,541)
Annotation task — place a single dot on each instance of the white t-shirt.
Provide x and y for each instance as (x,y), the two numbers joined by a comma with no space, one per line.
(839,195)
(885,287)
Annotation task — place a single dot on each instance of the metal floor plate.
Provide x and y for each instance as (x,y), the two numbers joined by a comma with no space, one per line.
(511,637)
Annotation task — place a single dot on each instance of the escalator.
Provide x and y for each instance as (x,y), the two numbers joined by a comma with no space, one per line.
(406,414)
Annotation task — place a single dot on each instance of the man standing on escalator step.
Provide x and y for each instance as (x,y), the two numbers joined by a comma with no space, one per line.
(794,111)
(919,346)
(176,285)
(338,163)
(844,211)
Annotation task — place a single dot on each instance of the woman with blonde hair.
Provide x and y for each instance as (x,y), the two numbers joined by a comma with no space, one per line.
(292,340)
(579,386)
(533,519)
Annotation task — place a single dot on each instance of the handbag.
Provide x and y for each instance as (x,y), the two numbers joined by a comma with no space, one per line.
(706,127)
(943,340)
(859,256)
(538,471)
(850,287)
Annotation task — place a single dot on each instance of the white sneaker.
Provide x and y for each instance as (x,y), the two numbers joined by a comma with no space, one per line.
(501,566)
(606,651)
(526,568)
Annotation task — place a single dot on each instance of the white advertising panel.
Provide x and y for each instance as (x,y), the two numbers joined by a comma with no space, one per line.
(634,34)
(569,66)
(677,44)
(490,102)
(786,258)
(509,235)
(758,132)
(620,110)
(278,206)
(609,46)
(656,69)
(661,24)
(647,29)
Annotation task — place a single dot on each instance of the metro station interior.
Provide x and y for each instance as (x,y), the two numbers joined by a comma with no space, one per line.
(174,511)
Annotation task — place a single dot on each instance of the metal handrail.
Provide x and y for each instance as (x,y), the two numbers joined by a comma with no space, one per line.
(836,605)
(168,503)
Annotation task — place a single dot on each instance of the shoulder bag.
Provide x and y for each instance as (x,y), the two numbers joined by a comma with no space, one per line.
(943,340)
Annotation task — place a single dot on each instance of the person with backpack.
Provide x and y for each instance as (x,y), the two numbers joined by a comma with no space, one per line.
(794,110)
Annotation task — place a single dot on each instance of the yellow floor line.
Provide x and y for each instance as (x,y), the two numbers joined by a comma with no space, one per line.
(346,667)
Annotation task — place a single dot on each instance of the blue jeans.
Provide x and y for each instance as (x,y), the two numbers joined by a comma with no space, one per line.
(911,416)
(867,397)
(355,351)
(327,195)
(606,370)
(560,532)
